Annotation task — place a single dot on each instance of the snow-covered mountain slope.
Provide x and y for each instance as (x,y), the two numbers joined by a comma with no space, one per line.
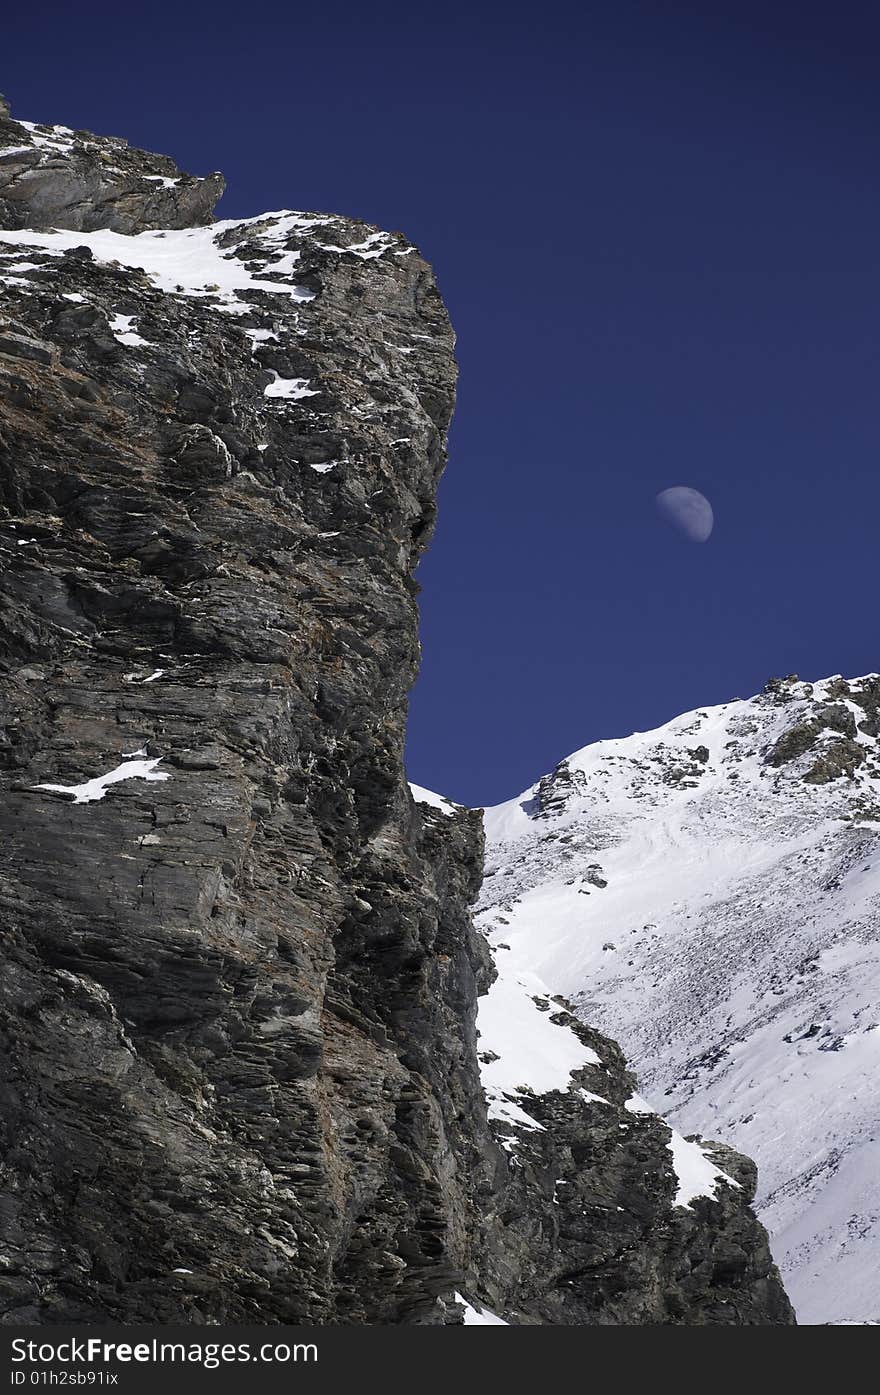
(637,1224)
(709,894)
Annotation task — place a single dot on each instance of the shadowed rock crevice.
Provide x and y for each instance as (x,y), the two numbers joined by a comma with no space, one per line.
(53,177)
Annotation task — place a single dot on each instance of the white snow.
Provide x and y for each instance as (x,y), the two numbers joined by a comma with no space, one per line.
(589,1098)
(261,336)
(477,1316)
(733,953)
(121,326)
(696,1173)
(372,246)
(289,387)
(190,261)
(534,1055)
(436,801)
(530,1054)
(150,678)
(57,138)
(91,790)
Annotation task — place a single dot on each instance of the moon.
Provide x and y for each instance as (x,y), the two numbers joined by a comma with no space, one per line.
(688,511)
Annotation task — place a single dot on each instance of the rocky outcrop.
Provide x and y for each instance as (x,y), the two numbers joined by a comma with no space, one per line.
(237,1003)
(53,177)
(843,751)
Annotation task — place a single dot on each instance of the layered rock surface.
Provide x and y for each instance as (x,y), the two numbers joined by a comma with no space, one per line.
(240,1078)
(53,177)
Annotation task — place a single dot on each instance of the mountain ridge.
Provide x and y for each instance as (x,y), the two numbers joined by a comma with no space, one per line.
(709,894)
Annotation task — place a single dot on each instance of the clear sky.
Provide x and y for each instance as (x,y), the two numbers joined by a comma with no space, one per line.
(657,228)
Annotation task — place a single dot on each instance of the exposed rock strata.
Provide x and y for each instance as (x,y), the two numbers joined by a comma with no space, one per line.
(238,991)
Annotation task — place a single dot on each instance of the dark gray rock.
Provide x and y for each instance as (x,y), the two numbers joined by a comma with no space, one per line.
(238,991)
(585,1230)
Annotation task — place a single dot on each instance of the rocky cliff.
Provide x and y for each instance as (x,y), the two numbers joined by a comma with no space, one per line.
(240,1075)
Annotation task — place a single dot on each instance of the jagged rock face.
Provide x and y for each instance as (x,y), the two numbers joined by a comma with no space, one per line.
(239,983)
(229,989)
(53,177)
(730,943)
(608,1216)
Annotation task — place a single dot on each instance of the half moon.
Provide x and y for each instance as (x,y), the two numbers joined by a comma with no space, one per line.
(688,511)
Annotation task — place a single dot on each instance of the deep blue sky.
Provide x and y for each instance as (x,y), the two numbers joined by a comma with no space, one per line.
(657,227)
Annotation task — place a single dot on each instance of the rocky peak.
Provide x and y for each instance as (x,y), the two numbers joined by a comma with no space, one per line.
(55,177)
(239,980)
